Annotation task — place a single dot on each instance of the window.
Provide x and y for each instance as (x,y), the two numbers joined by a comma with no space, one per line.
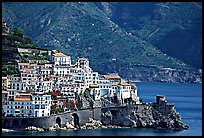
(17,111)
(43,107)
(36,106)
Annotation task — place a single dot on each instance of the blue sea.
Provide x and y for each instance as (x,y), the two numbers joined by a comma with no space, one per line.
(186,97)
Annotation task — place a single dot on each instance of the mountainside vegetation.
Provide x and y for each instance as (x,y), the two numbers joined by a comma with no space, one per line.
(12,39)
(85,29)
(173,27)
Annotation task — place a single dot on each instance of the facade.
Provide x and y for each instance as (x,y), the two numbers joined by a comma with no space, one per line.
(61,59)
(4,82)
(29,94)
(28,105)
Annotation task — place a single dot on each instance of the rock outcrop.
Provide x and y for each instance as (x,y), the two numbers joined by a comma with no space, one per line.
(142,116)
(33,128)
(92,124)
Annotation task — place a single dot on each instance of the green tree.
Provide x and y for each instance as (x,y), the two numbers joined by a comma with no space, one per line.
(18,31)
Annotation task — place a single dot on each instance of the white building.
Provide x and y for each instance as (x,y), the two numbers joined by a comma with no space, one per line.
(28,105)
(42,105)
(61,70)
(61,59)
(84,64)
(11,93)
(23,65)
(19,86)
(21,106)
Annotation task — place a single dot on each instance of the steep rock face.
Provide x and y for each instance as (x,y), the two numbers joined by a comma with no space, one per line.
(142,116)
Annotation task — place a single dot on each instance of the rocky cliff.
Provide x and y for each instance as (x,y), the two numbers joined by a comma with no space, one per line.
(142,116)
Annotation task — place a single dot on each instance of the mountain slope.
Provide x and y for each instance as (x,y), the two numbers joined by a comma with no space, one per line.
(173,27)
(82,29)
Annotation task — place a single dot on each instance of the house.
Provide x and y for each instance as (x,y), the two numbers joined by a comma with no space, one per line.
(4,83)
(28,105)
(41,105)
(61,59)
(113,77)
(21,105)
(11,93)
(4,96)
(23,65)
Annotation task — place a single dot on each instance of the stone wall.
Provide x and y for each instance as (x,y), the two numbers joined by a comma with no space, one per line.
(46,122)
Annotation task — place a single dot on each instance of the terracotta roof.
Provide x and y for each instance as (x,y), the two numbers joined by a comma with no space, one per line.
(4,92)
(125,84)
(27,69)
(22,99)
(34,64)
(54,75)
(68,74)
(59,54)
(24,64)
(55,51)
(112,76)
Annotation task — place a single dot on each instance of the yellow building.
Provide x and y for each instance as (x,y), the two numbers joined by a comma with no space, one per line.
(4,82)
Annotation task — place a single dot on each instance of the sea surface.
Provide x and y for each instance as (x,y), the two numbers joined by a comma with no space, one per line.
(186,97)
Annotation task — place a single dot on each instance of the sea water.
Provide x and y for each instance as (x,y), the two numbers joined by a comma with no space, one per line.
(186,97)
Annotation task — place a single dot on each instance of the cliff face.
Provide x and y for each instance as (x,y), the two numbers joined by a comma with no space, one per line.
(142,116)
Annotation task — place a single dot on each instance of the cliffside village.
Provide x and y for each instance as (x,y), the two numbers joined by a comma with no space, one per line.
(52,86)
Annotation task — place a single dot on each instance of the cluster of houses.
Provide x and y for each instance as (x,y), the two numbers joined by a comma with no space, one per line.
(30,93)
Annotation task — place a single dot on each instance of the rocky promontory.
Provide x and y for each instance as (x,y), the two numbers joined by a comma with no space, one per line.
(153,115)
(158,115)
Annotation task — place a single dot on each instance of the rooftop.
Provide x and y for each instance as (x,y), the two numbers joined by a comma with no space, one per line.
(68,74)
(54,51)
(59,55)
(4,92)
(4,78)
(24,64)
(27,69)
(22,99)
(111,76)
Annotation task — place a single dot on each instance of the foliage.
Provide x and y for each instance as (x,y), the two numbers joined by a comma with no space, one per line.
(29,45)
(17,32)
(9,70)
(104,39)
